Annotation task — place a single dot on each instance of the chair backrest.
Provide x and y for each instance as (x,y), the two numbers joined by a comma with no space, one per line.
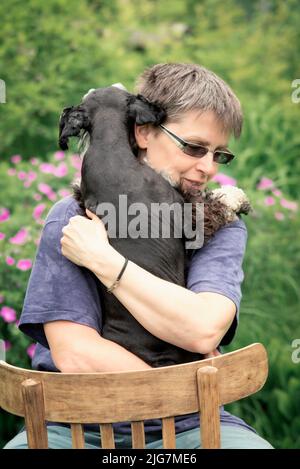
(105,398)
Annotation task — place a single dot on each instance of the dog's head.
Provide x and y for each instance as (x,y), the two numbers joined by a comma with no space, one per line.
(72,120)
(103,103)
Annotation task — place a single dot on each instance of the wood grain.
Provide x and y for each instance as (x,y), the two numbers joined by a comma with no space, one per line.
(77,436)
(33,401)
(209,401)
(138,435)
(168,433)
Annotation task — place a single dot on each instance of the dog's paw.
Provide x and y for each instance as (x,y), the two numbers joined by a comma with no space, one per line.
(234,199)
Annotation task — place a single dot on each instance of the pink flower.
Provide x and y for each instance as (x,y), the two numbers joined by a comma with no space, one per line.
(37,212)
(9,260)
(224,180)
(76,161)
(7,345)
(11,171)
(37,196)
(44,188)
(2,236)
(20,237)
(64,192)
(16,159)
(277,192)
(289,205)
(24,264)
(31,175)
(279,216)
(22,175)
(265,183)
(34,161)
(4,214)
(59,155)
(51,196)
(8,314)
(47,168)
(47,190)
(61,170)
(269,201)
(30,350)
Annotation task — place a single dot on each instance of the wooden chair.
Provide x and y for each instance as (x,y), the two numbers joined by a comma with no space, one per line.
(105,398)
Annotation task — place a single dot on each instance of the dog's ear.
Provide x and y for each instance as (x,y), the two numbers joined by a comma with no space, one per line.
(71,121)
(141,111)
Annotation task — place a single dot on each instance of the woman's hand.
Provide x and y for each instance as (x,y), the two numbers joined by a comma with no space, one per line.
(84,240)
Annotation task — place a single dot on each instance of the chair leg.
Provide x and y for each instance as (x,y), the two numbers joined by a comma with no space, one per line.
(209,403)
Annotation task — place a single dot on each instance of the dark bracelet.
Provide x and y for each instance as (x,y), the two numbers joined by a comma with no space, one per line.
(110,289)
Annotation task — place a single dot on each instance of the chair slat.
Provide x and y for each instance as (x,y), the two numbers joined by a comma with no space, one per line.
(138,435)
(209,403)
(34,413)
(168,433)
(77,436)
(107,436)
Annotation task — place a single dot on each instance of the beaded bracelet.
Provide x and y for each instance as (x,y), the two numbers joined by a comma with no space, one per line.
(113,286)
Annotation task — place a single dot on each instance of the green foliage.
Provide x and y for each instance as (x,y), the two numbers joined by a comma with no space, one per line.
(270,314)
(274,411)
(53,52)
(269,145)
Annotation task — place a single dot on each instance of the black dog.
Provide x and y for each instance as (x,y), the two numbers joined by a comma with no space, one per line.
(110,168)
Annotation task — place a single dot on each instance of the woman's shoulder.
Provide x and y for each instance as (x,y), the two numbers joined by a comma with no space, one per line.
(63,210)
(237,224)
(229,239)
(233,231)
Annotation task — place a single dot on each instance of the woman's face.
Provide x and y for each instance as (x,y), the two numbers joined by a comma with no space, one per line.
(162,154)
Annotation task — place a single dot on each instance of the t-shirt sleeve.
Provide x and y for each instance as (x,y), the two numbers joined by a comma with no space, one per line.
(58,289)
(217,268)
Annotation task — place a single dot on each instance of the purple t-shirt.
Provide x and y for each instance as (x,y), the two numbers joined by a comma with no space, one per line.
(61,290)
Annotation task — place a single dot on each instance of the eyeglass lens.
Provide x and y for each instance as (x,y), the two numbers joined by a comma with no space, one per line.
(219,156)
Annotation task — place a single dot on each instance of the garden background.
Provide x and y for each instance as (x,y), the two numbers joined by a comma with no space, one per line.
(52,52)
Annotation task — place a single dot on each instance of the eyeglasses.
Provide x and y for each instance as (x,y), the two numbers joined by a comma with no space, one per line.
(198,151)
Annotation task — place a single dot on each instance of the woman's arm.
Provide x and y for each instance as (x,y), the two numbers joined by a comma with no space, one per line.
(195,322)
(76,348)
(191,321)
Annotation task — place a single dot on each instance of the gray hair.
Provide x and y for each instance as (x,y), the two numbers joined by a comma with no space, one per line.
(181,87)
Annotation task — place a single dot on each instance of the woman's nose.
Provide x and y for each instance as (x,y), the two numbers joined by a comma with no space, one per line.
(207,164)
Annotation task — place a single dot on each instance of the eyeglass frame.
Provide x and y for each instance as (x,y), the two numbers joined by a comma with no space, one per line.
(183,144)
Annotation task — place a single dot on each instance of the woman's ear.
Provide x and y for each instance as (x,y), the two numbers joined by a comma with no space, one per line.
(141,133)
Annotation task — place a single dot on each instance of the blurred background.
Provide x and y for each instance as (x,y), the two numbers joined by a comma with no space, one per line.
(52,52)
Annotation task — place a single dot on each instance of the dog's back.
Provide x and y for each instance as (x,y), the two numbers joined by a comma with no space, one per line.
(110,169)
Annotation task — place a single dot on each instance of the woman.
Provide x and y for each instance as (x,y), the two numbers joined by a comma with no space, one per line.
(62,308)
